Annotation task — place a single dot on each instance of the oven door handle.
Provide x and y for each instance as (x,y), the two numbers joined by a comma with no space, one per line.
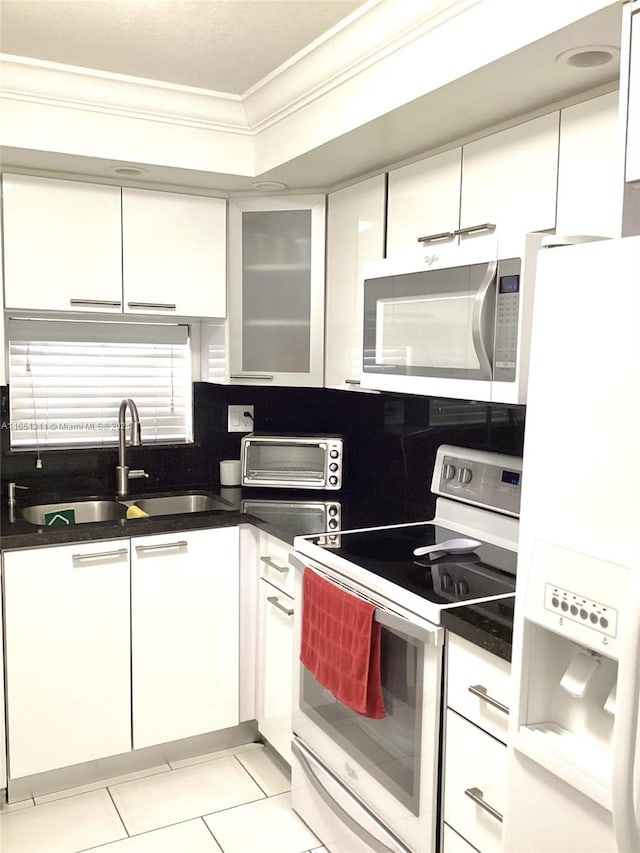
(419,629)
(342,814)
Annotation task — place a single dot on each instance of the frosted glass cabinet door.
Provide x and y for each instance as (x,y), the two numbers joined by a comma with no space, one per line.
(276,269)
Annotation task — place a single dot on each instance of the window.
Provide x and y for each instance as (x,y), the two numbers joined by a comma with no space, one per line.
(68,378)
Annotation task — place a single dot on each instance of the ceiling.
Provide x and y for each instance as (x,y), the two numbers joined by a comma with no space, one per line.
(233,46)
(221,45)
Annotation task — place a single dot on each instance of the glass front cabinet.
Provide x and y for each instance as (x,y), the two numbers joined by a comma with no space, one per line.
(276,273)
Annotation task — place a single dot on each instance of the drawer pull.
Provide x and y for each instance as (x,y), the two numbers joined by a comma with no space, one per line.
(100,555)
(95,302)
(276,603)
(432,238)
(169,306)
(273,565)
(474,229)
(181,543)
(259,377)
(352,382)
(477,796)
(481,692)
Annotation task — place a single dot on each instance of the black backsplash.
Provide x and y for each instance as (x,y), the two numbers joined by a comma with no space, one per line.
(391,441)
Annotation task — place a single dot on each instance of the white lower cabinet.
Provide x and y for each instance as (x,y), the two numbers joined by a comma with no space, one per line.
(476,718)
(275,645)
(185,612)
(67,655)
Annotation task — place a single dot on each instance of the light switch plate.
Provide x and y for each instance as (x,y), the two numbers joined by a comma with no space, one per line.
(240,419)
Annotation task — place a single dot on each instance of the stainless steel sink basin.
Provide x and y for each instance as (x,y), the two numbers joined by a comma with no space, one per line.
(74,512)
(175,504)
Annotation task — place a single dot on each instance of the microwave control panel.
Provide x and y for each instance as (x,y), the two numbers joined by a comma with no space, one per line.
(505,345)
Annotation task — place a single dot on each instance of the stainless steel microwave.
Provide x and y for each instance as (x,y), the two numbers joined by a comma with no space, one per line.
(292,461)
(452,321)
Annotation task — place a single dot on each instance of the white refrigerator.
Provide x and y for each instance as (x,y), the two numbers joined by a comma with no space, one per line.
(573,770)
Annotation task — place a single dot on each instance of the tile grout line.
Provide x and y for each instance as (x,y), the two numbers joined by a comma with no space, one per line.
(210,831)
(255,781)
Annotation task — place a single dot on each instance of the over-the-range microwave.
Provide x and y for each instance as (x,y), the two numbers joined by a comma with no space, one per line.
(452,321)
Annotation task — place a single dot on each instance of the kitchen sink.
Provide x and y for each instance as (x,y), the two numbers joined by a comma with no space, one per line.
(74,512)
(175,504)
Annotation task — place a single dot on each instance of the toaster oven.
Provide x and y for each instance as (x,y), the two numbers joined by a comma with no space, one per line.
(292,461)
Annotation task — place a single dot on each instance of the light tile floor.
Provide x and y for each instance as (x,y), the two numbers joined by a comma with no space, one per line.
(234,801)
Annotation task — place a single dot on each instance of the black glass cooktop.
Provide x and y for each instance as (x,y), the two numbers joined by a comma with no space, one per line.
(388,552)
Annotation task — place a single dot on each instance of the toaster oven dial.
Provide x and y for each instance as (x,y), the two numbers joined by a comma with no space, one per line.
(333,466)
(333,480)
(333,510)
(332,524)
(334,453)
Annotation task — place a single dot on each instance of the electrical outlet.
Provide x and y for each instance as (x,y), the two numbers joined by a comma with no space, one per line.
(240,419)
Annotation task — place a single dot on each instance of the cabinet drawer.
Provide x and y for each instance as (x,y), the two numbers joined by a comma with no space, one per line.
(475,774)
(273,560)
(477,684)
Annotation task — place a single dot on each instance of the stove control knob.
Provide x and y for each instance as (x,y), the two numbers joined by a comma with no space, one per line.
(448,472)
(464,476)
(446,582)
(333,481)
(461,588)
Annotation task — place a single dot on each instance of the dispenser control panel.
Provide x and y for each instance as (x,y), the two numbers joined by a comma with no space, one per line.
(585,611)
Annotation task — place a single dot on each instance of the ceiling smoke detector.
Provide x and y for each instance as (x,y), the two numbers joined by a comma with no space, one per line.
(268,186)
(588,56)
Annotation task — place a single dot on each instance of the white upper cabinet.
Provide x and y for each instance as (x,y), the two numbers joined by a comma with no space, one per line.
(355,234)
(590,176)
(276,270)
(633,115)
(424,200)
(62,245)
(69,245)
(509,178)
(173,253)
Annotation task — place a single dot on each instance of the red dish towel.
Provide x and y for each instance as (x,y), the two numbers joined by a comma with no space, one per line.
(341,645)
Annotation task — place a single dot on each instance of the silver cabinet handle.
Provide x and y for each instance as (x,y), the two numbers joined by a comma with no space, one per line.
(473,229)
(352,382)
(276,603)
(432,238)
(261,377)
(481,692)
(181,543)
(273,565)
(477,796)
(95,302)
(99,555)
(166,305)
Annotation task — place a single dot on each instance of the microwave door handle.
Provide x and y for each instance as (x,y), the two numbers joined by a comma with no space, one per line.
(480,342)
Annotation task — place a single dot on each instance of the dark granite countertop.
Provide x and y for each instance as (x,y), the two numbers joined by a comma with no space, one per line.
(488,625)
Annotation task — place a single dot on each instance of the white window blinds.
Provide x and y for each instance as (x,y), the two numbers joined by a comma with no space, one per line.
(67,379)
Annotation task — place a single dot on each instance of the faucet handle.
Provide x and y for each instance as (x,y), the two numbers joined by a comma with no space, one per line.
(11,491)
(137,474)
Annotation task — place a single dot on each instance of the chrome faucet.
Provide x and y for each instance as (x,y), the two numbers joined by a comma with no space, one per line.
(123,474)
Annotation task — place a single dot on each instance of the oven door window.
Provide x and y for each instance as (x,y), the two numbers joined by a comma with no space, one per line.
(434,323)
(286,463)
(389,749)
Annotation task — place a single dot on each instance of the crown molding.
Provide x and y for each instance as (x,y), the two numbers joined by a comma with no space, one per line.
(53,84)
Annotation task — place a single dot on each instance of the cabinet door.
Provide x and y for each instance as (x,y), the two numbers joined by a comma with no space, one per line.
(633,114)
(174,253)
(276,269)
(275,668)
(590,172)
(355,234)
(62,245)
(509,178)
(184,634)
(3,742)
(67,655)
(424,199)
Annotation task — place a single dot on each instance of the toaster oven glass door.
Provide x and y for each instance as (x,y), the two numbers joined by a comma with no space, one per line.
(285,464)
